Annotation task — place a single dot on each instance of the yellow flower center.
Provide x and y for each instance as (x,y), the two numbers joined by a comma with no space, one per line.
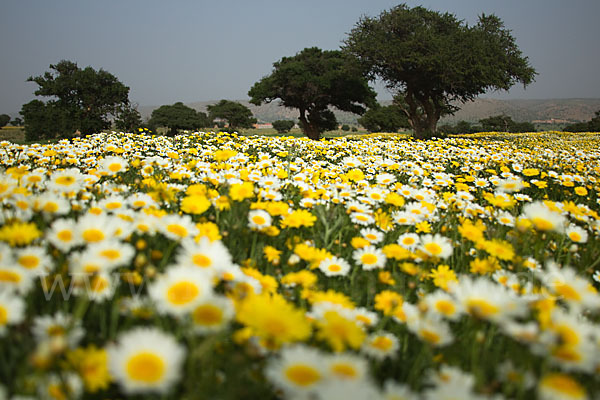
(93,235)
(575,236)
(566,291)
(182,293)
(382,343)
(114,167)
(408,241)
(445,307)
(146,367)
(9,276)
(65,180)
(201,260)
(65,235)
(335,268)
(564,384)
(542,224)
(344,370)
(368,259)
(113,205)
(433,249)
(3,316)
(177,230)
(50,207)
(29,261)
(207,314)
(481,308)
(258,220)
(430,336)
(302,375)
(111,254)
(99,284)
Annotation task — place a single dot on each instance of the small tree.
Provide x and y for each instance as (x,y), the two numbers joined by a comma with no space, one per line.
(178,116)
(312,81)
(129,118)
(237,115)
(283,126)
(16,122)
(46,121)
(433,60)
(504,123)
(591,126)
(4,119)
(384,119)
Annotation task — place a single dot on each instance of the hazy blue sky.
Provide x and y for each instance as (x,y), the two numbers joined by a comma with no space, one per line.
(178,50)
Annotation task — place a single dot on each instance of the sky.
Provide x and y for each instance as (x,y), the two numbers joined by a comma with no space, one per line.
(202,50)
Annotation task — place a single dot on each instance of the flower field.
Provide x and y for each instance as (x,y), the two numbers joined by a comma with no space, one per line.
(217,266)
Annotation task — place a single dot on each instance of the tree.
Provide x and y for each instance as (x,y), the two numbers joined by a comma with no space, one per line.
(178,116)
(237,115)
(504,123)
(461,127)
(16,122)
(46,120)
(129,118)
(312,81)
(591,126)
(4,119)
(384,119)
(88,98)
(283,126)
(432,60)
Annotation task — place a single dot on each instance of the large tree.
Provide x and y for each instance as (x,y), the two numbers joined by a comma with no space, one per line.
(4,119)
(237,115)
(431,61)
(178,116)
(88,98)
(312,81)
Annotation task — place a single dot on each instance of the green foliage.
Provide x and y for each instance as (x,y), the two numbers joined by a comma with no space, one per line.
(384,119)
(16,122)
(86,97)
(504,123)
(178,116)
(345,128)
(312,81)
(129,118)
(283,126)
(237,115)
(46,121)
(432,60)
(591,126)
(4,119)
(461,127)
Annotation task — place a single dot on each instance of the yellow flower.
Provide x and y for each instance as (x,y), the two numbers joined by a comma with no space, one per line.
(271,254)
(195,204)
(19,234)
(472,232)
(241,191)
(530,172)
(340,332)
(396,252)
(388,302)
(304,278)
(92,365)
(209,230)
(499,248)
(442,276)
(359,242)
(330,296)
(581,191)
(298,218)
(423,227)
(385,277)
(355,175)
(273,319)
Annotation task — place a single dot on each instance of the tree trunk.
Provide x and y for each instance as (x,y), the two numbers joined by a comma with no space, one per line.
(310,130)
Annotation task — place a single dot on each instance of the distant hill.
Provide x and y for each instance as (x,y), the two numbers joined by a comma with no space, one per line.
(568,110)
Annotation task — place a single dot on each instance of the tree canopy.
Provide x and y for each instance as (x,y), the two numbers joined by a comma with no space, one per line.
(591,126)
(178,116)
(312,81)
(4,119)
(384,119)
(283,126)
(83,99)
(432,60)
(237,115)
